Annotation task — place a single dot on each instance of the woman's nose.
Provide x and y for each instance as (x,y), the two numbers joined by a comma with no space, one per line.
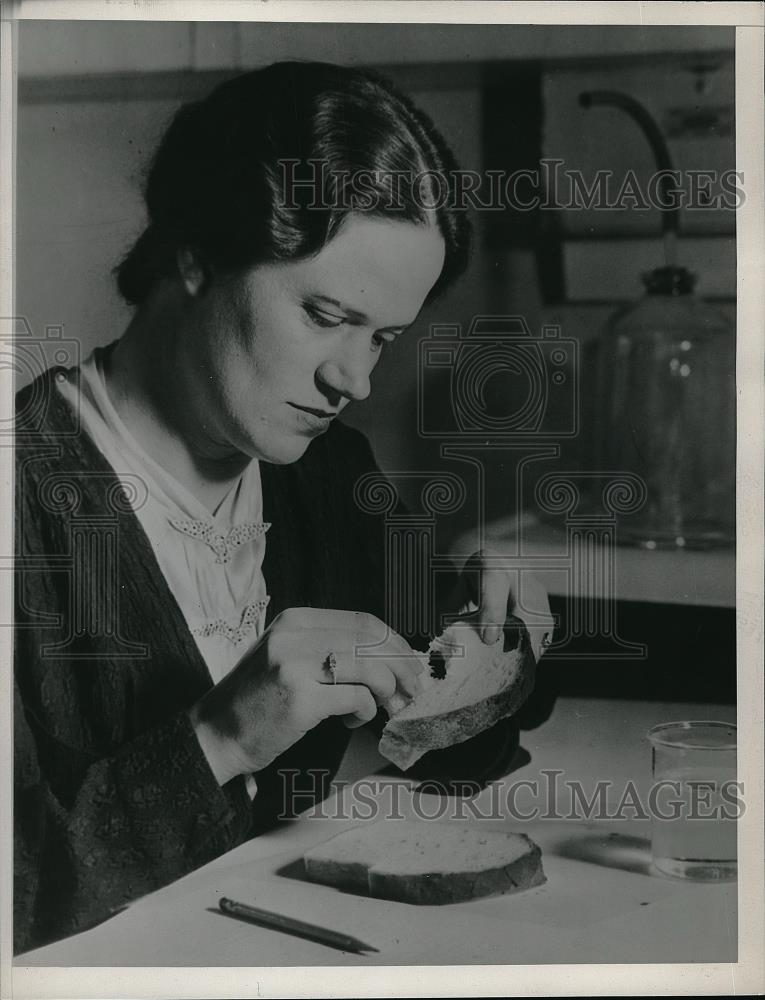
(347,375)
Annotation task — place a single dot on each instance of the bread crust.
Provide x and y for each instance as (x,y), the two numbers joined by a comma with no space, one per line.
(442,888)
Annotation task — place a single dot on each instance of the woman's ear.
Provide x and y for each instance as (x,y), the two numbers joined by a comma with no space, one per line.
(192,272)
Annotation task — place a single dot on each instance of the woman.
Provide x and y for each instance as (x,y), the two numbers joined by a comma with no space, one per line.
(197,587)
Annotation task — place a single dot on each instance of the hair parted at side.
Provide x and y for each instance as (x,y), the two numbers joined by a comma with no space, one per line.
(269,164)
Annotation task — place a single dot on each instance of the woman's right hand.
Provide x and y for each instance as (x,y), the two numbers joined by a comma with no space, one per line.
(282,688)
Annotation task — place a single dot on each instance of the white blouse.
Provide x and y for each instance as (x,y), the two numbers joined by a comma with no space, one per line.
(213,562)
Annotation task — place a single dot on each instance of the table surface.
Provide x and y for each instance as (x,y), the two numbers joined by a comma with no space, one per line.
(602,902)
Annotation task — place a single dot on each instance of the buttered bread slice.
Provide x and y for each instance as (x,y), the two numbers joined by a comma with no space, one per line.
(426,863)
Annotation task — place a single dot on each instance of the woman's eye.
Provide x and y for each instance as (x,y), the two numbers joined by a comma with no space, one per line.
(378,339)
(321,318)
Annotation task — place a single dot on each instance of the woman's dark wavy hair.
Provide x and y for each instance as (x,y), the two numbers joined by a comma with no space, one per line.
(216,184)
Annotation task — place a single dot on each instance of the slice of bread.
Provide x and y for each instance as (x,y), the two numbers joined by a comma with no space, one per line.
(426,863)
(467,687)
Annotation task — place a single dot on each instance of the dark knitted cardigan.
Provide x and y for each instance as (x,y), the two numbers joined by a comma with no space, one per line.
(113,796)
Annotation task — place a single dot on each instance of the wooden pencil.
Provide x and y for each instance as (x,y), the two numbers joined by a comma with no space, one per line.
(290,925)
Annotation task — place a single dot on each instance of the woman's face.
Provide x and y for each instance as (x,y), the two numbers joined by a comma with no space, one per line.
(271,356)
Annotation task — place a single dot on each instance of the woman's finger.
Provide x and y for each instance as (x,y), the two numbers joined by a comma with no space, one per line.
(352,701)
(484,591)
(494,594)
(375,673)
(405,670)
(468,608)
(370,632)
(395,657)
(339,657)
(530,603)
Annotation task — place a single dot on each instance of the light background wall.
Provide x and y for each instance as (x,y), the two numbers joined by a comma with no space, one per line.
(96,96)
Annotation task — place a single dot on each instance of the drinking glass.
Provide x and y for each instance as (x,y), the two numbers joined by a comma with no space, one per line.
(694,800)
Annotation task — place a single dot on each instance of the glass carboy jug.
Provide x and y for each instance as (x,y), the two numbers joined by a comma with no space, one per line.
(667,403)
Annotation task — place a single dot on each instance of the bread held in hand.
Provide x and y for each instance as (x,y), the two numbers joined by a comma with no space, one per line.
(467,688)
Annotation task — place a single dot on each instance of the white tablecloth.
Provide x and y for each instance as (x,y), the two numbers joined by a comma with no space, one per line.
(602,903)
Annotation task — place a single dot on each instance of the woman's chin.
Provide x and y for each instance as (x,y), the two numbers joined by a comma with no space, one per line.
(282,452)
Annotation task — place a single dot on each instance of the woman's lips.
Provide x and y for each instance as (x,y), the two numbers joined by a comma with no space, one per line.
(318,420)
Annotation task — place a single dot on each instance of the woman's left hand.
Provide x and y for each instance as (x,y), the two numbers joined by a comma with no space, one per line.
(490,590)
